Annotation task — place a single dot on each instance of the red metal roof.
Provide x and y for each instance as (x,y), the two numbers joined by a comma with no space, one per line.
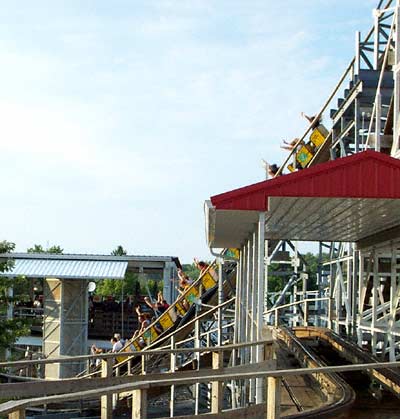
(363,175)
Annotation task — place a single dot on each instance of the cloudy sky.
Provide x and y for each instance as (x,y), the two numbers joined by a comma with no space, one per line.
(119,118)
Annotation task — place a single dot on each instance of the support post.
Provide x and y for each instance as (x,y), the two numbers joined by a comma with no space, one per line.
(243,396)
(396,76)
(354,288)
(172,368)
(356,70)
(305,311)
(378,113)
(361,293)
(273,404)
(65,324)
(10,313)
(393,304)
(197,357)
(220,298)
(18,414)
(216,386)
(169,291)
(375,284)
(106,400)
(376,39)
(144,364)
(262,251)
(139,404)
(249,315)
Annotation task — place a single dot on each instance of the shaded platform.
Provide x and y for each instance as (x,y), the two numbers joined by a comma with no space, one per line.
(349,199)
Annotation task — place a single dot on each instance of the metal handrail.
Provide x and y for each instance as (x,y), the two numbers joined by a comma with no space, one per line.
(317,117)
(307,301)
(378,90)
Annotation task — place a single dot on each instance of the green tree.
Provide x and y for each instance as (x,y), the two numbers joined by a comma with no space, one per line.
(10,329)
(153,287)
(191,270)
(119,251)
(128,286)
(38,248)
(277,282)
(57,250)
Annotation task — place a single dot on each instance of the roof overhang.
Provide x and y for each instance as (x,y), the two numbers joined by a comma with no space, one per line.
(83,266)
(66,269)
(348,199)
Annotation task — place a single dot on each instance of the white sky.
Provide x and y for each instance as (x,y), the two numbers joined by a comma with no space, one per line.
(118,119)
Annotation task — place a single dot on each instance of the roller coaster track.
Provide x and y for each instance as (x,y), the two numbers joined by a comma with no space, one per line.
(178,321)
(339,395)
(388,377)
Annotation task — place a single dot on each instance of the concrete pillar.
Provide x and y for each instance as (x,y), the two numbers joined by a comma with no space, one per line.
(106,400)
(65,324)
(139,404)
(216,386)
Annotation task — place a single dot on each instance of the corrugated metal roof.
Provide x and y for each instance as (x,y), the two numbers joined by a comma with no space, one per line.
(67,269)
(66,256)
(364,175)
(348,199)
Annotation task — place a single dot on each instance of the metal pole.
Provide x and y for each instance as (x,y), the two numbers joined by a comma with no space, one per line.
(374,303)
(122,309)
(220,298)
(254,298)
(236,329)
(243,324)
(10,313)
(262,253)
(357,56)
(172,368)
(361,289)
(396,76)
(249,314)
(393,306)
(197,357)
(376,38)
(354,293)
(378,122)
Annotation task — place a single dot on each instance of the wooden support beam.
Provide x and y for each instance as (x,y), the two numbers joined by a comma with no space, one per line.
(139,404)
(216,386)
(273,406)
(18,414)
(106,400)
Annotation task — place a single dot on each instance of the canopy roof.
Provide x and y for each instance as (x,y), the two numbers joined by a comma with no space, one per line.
(347,199)
(67,269)
(75,266)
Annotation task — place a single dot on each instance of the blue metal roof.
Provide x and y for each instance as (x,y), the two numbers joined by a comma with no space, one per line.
(67,269)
